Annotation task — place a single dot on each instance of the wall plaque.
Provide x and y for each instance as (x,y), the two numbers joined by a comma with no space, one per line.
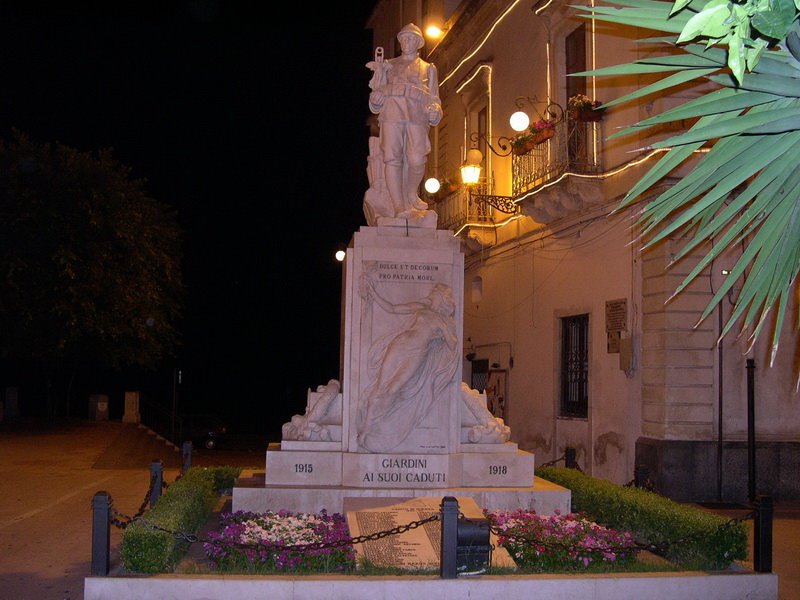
(617,315)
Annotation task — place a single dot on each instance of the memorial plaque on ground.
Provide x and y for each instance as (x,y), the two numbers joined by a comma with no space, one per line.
(414,549)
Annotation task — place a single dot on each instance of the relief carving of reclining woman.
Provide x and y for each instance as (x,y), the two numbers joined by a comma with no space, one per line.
(414,365)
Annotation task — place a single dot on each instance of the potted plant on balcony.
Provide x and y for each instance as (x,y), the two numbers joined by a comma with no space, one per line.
(542,130)
(582,108)
(447,186)
(538,132)
(522,143)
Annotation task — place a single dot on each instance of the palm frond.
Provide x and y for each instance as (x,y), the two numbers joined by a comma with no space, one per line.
(745,191)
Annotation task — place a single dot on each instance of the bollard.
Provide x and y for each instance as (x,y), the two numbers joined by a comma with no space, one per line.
(641,476)
(156,481)
(187,456)
(762,535)
(449,539)
(101,533)
(570,458)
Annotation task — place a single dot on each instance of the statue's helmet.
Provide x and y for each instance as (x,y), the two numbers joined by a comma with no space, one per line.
(411,29)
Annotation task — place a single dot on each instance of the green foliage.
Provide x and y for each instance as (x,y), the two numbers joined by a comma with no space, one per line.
(688,536)
(90,269)
(223,478)
(185,506)
(745,191)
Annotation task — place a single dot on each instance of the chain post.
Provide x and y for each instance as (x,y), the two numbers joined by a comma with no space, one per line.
(762,534)
(570,458)
(156,480)
(449,541)
(187,456)
(641,476)
(101,533)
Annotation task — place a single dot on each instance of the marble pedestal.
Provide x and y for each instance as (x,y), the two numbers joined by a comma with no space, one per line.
(499,465)
(399,421)
(309,481)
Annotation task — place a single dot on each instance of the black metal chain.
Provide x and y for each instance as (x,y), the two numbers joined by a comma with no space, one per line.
(551,544)
(554,462)
(192,538)
(660,548)
(122,521)
(656,548)
(562,458)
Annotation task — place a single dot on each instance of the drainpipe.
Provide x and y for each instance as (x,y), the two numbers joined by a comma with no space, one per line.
(751,430)
(719,406)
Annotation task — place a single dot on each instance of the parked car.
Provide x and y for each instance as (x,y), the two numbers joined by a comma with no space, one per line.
(206,431)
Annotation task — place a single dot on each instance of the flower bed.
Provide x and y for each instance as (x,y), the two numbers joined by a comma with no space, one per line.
(267,543)
(560,542)
(261,543)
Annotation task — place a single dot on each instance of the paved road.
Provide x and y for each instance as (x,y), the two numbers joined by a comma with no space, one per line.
(50,475)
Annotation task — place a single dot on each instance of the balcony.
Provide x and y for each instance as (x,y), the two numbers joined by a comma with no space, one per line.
(571,150)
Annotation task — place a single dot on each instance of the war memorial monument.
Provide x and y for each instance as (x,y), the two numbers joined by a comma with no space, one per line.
(399,423)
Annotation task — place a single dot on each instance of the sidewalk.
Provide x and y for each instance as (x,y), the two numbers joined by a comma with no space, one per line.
(51,473)
(785,544)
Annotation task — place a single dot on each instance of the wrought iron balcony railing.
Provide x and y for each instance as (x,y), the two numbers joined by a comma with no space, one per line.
(460,207)
(571,149)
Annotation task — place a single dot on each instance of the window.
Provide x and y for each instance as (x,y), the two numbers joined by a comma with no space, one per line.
(496,393)
(575,366)
(480,374)
(482,126)
(575,54)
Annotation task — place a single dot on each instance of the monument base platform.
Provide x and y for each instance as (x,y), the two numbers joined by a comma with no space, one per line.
(494,466)
(254,494)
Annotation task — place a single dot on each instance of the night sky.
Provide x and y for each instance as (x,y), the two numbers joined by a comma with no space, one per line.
(252,124)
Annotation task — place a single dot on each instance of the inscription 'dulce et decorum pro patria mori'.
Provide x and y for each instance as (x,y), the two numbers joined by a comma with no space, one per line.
(406,272)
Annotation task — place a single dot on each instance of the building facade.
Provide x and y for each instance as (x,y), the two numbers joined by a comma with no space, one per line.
(570,325)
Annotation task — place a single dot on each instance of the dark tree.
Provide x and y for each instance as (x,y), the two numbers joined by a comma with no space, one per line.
(90,266)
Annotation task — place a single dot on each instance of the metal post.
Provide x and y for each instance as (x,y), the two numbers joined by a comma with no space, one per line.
(751,431)
(187,456)
(762,535)
(570,458)
(174,411)
(156,481)
(720,398)
(101,533)
(641,475)
(449,541)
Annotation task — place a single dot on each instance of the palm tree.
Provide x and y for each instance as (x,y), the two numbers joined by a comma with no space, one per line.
(745,188)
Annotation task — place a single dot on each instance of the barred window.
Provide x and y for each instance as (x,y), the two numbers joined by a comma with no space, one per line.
(575,366)
(480,374)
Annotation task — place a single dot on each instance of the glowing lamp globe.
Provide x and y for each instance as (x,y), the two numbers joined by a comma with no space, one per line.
(340,254)
(519,121)
(474,156)
(434,32)
(432,185)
